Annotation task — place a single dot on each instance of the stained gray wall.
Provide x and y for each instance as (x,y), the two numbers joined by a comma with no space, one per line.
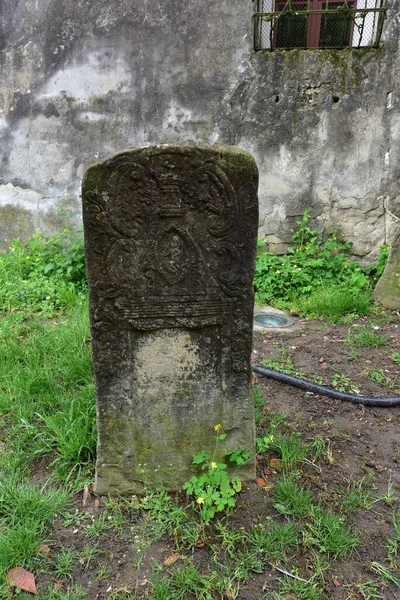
(84,79)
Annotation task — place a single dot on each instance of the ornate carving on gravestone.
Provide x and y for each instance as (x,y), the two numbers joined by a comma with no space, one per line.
(170,240)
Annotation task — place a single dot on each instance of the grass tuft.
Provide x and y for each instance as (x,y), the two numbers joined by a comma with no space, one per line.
(334,302)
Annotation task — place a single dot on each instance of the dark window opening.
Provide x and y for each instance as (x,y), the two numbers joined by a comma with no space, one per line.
(318,23)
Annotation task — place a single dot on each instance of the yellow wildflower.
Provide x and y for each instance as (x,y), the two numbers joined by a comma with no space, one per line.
(200,500)
(28,258)
(47,297)
(217,427)
(271,438)
(277,272)
(214,465)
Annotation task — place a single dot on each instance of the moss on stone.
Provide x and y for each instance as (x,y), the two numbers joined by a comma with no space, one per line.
(15,222)
(387,291)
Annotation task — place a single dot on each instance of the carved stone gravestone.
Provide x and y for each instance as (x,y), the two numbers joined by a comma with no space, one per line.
(170,238)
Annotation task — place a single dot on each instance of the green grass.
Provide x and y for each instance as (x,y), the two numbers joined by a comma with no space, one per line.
(396,357)
(26,513)
(64,563)
(282,360)
(334,302)
(48,399)
(291,499)
(290,448)
(357,494)
(274,541)
(314,266)
(47,411)
(329,533)
(363,337)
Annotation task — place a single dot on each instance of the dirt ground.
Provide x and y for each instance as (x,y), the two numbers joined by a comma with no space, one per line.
(361,441)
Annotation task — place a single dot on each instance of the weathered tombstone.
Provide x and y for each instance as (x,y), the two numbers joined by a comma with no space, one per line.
(170,238)
(387,290)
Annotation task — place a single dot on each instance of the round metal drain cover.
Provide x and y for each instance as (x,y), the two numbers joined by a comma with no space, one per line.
(267,319)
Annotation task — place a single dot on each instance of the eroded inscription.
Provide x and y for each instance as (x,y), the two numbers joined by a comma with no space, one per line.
(170,237)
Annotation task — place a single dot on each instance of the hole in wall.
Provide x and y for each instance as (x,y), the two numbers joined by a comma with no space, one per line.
(277,98)
(335,99)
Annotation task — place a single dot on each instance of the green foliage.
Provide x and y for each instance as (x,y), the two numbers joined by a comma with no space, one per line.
(164,512)
(274,541)
(310,263)
(48,393)
(290,498)
(341,382)
(329,533)
(43,273)
(376,271)
(26,512)
(215,490)
(396,357)
(71,434)
(290,448)
(64,563)
(362,337)
(335,301)
(357,494)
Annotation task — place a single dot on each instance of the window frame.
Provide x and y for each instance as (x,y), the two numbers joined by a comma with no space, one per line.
(314,13)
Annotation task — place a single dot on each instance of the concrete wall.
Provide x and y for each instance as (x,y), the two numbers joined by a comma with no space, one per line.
(83,79)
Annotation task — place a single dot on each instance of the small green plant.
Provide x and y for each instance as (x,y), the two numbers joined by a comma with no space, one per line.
(379,376)
(165,516)
(393,544)
(357,494)
(376,271)
(303,590)
(330,534)
(369,590)
(390,496)
(340,382)
(71,593)
(97,527)
(386,574)
(274,541)
(396,357)
(291,499)
(87,554)
(44,273)
(282,360)
(363,337)
(64,563)
(259,404)
(26,513)
(334,302)
(290,448)
(215,490)
(310,263)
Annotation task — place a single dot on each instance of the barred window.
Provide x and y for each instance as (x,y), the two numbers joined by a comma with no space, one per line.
(318,23)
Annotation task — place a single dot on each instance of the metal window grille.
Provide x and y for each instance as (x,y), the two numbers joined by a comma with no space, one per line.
(291,24)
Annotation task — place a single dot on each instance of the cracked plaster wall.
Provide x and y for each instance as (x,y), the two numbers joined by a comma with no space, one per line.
(84,79)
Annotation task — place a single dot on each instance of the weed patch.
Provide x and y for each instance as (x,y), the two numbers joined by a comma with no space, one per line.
(313,263)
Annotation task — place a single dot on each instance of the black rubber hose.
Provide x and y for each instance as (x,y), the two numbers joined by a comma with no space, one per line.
(325,391)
